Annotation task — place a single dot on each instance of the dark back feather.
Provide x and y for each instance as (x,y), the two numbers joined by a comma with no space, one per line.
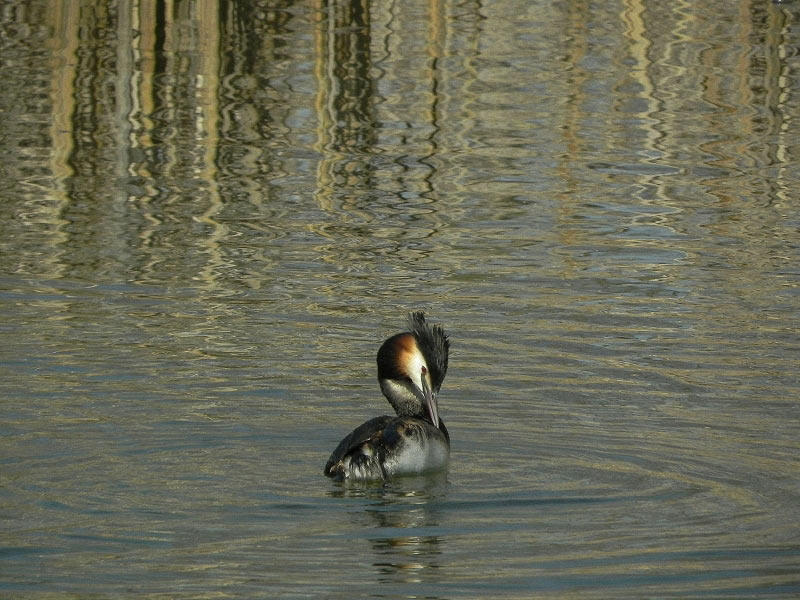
(355,438)
(434,344)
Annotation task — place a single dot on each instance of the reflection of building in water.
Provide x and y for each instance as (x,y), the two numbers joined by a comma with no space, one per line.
(379,137)
(688,107)
(345,98)
(168,123)
(160,109)
(346,93)
(135,113)
(382,84)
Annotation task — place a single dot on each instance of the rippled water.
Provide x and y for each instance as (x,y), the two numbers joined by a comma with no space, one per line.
(213,213)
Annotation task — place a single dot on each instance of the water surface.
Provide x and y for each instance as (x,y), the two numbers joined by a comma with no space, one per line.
(213,213)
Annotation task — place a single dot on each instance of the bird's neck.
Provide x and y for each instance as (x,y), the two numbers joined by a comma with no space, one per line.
(402,399)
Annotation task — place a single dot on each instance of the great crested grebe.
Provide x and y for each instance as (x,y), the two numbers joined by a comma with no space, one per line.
(411,368)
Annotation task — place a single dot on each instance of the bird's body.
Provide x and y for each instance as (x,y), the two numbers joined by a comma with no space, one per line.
(411,368)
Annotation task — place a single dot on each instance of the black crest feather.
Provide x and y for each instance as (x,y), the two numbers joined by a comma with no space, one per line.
(434,344)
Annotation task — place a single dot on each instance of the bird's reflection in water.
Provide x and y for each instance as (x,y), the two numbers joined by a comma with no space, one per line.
(400,521)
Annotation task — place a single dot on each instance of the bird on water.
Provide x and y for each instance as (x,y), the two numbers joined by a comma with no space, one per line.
(411,368)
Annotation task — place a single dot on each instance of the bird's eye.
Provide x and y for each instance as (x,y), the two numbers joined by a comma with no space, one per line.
(424,370)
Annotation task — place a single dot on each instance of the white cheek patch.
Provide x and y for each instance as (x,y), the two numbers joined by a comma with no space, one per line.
(414,366)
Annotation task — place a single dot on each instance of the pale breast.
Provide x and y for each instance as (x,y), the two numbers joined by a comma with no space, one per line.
(421,448)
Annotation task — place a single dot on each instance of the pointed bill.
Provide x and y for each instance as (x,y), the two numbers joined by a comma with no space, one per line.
(429,400)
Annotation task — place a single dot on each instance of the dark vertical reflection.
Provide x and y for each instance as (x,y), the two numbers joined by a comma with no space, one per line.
(253,48)
(160,37)
(92,119)
(95,210)
(577,29)
(779,81)
(171,175)
(773,88)
(174,92)
(436,51)
(352,127)
(259,56)
(346,94)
